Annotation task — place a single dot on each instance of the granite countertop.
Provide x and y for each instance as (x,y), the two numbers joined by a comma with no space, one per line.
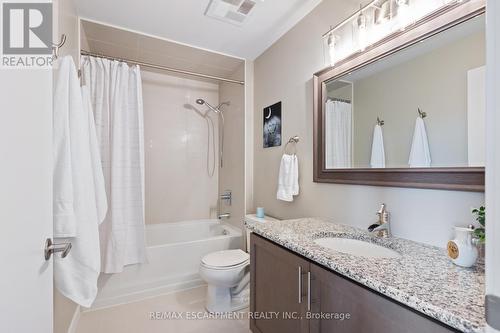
(423,278)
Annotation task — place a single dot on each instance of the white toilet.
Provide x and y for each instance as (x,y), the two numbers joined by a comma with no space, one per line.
(227,274)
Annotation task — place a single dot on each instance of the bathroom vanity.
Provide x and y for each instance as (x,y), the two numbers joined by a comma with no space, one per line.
(300,286)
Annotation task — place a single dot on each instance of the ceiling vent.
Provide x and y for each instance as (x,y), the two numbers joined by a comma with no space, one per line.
(230,11)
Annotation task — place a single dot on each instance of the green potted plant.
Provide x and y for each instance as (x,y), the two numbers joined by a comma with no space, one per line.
(479,214)
(479,232)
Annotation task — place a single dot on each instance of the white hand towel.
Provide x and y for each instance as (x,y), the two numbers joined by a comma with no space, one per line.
(288,184)
(420,155)
(76,275)
(378,153)
(295,174)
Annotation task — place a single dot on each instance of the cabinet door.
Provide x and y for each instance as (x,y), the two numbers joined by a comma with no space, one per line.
(369,312)
(278,289)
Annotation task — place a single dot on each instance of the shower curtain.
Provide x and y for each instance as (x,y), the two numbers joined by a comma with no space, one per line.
(116,94)
(338,134)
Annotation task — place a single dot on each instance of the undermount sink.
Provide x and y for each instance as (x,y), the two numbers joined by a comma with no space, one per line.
(357,247)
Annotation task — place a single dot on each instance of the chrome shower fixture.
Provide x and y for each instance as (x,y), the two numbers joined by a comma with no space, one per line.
(203,102)
(218,111)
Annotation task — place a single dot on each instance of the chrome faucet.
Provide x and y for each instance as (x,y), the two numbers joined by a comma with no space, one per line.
(227,196)
(382,227)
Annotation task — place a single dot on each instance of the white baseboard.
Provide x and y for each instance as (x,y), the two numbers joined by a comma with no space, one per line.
(74,321)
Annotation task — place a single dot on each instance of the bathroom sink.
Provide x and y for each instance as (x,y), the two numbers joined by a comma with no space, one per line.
(356,247)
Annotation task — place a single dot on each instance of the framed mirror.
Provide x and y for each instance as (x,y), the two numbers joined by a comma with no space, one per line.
(409,112)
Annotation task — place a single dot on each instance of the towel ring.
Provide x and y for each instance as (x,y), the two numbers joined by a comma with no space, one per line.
(293,140)
(421,113)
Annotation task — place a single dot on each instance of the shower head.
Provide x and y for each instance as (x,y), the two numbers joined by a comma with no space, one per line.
(202,101)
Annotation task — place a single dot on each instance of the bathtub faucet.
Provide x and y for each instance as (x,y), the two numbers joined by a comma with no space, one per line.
(224,216)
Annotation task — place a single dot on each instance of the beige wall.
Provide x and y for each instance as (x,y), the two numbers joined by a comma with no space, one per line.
(232,175)
(66,21)
(284,73)
(249,133)
(178,186)
(435,82)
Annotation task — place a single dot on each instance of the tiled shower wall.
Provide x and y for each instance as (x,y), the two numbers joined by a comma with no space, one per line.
(176,138)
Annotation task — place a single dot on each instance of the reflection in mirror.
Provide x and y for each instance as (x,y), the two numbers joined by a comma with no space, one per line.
(420,107)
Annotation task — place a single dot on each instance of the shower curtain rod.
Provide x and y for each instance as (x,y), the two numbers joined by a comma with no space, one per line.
(164,68)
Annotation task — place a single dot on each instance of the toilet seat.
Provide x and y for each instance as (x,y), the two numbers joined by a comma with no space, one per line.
(225,260)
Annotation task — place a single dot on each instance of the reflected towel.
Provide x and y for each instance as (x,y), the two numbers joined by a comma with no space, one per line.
(288,178)
(420,155)
(378,153)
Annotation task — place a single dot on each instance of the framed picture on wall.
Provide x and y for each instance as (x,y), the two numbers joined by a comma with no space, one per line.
(272,125)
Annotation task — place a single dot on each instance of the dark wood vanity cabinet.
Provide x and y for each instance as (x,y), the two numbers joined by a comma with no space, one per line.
(278,279)
(284,286)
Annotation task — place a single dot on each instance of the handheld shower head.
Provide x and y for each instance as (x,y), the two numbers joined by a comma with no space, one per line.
(202,101)
(218,111)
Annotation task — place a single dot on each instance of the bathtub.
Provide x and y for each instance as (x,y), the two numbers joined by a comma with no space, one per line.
(174,254)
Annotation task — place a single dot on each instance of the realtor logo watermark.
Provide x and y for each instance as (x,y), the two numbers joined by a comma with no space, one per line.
(26,34)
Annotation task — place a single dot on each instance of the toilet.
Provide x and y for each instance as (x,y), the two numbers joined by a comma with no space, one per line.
(227,274)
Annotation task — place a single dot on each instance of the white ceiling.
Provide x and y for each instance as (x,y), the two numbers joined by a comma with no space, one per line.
(184,21)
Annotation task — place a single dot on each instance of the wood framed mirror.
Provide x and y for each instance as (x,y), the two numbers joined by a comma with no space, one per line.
(408,111)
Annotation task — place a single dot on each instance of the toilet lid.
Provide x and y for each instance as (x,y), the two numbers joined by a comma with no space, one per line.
(225,258)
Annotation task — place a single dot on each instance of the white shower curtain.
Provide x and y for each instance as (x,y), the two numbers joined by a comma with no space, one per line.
(338,134)
(116,94)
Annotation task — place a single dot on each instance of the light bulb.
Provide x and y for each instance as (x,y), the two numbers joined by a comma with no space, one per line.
(362,33)
(404,15)
(331,48)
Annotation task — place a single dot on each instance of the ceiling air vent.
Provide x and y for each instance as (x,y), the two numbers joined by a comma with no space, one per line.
(231,11)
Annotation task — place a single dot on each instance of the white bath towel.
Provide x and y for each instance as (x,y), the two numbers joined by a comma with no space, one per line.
(288,178)
(76,275)
(62,178)
(420,155)
(378,152)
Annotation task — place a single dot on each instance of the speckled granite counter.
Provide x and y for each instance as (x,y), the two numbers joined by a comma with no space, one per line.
(423,278)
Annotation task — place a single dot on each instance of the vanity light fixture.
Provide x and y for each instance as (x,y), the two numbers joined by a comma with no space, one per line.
(376,21)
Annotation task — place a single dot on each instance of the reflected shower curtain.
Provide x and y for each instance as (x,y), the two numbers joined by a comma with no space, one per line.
(116,94)
(338,134)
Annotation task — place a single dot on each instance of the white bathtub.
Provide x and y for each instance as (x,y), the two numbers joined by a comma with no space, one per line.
(174,254)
